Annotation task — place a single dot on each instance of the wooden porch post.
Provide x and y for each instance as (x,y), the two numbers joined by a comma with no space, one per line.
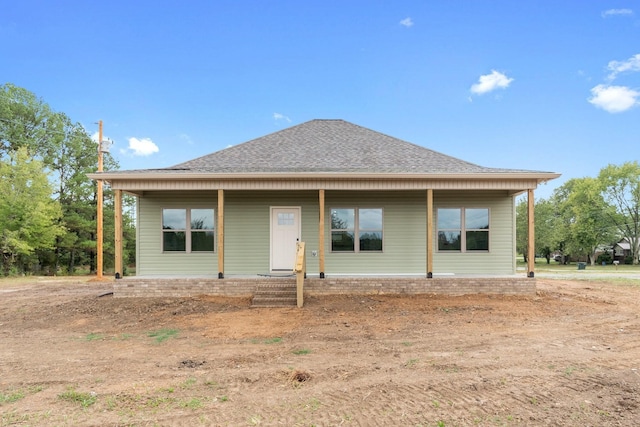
(117,213)
(220,228)
(430,233)
(321,233)
(531,245)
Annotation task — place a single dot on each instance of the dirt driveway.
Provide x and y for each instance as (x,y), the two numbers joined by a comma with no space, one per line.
(569,356)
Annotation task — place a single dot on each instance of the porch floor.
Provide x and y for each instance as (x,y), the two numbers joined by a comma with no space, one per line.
(246,285)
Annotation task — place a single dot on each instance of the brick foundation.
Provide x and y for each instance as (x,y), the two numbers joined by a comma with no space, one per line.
(245,287)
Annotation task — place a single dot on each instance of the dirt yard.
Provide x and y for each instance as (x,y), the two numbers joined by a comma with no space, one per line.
(569,356)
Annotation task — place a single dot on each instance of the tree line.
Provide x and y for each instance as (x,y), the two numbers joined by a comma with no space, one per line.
(47,203)
(585,217)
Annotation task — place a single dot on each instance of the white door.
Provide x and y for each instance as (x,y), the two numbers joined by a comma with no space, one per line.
(285,232)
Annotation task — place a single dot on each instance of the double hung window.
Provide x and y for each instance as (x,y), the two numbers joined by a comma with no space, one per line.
(188,230)
(356,230)
(463,229)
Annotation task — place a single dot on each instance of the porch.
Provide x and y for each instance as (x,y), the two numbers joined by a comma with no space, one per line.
(246,286)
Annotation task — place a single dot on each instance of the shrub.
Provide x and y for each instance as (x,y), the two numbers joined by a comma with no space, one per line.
(605,257)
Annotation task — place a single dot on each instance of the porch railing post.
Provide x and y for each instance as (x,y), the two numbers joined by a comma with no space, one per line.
(220,234)
(430,233)
(321,233)
(300,270)
(117,211)
(531,246)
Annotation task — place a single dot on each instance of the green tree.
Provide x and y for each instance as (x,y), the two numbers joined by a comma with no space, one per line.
(68,154)
(25,121)
(544,223)
(620,187)
(72,155)
(584,217)
(28,215)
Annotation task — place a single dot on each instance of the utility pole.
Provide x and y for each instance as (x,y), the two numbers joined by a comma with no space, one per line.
(99,207)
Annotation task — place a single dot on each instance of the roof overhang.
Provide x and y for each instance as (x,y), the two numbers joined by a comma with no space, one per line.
(168,176)
(140,182)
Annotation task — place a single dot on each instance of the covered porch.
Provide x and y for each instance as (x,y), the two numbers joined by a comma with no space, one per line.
(429,232)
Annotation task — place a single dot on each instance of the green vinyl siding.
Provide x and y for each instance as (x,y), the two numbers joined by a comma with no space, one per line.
(151,260)
(247,233)
(500,259)
(403,233)
(247,228)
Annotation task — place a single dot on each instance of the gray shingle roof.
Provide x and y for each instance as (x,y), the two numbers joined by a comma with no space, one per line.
(329,146)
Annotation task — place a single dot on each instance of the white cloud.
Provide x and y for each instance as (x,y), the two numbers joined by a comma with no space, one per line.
(491,82)
(407,22)
(614,99)
(142,147)
(278,116)
(615,12)
(616,67)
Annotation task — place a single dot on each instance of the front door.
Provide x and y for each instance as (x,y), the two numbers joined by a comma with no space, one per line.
(285,232)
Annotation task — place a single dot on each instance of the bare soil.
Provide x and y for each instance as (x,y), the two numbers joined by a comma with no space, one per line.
(568,356)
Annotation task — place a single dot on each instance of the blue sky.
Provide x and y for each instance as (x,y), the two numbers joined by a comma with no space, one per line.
(542,85)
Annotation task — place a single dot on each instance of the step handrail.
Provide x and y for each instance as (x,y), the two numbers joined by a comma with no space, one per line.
(301,270)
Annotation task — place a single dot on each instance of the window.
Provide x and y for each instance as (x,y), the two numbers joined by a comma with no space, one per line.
(356,230)
(191,229)
(463,230)
(174,230)
(286,218)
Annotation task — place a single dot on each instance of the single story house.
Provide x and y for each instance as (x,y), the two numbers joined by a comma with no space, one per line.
(372,209)
(621,250)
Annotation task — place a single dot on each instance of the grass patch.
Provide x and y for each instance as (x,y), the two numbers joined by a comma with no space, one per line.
(313,404)
(93,336)
(554,266)
(162,334)
(12,396)
(157,402)
(193,403)
(301,351)
(84,399)
(188,383)
(14,418)
(274,340)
